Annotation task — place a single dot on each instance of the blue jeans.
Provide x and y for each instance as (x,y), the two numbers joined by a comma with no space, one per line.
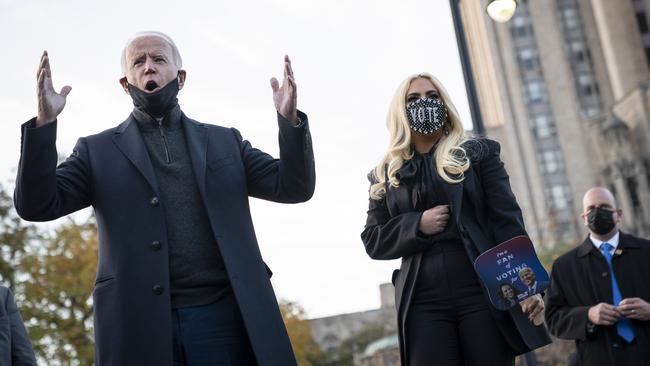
(211,335)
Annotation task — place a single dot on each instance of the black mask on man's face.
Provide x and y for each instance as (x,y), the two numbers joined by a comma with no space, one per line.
(601,220)
(156,104)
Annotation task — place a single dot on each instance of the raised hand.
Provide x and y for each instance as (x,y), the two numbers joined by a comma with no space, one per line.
(50,103)
(285,95)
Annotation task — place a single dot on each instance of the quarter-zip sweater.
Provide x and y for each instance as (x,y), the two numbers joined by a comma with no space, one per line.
(197,272)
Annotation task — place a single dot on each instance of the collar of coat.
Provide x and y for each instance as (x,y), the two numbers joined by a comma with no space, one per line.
(625,242)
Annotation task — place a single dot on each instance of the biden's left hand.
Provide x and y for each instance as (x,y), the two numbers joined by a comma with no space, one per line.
(285,96)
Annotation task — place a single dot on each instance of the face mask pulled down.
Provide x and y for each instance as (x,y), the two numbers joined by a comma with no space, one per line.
(156,104)
(426,115)
(601,220)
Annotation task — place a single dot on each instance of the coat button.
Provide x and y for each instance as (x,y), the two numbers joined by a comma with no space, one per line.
(604,274)
(157,289)
(155,201)
(155,245)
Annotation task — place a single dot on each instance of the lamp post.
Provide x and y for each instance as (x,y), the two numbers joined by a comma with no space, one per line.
(470,86)
(500,11)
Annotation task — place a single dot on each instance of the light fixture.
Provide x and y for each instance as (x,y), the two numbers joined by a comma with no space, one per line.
(501,10)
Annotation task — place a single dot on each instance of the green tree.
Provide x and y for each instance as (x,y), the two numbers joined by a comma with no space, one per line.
(305,348)
(548,255)
(57,307)
(15,238)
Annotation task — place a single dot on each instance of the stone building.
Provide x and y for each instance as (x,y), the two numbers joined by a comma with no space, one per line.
(329,332)
(564,87)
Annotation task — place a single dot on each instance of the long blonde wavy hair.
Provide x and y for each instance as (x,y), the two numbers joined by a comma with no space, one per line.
(451,159)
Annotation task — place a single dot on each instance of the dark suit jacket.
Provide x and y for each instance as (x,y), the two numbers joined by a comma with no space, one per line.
(486,213)
(112,172)
(580,279)
(15,346)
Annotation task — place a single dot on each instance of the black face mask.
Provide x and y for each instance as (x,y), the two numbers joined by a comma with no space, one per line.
(601,220)
(156,104)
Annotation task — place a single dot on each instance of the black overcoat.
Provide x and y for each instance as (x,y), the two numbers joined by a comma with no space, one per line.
(15,345)
(112,172)
(580,279)
(486,214)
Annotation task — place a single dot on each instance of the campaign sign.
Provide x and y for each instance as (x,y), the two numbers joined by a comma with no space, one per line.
(511,272)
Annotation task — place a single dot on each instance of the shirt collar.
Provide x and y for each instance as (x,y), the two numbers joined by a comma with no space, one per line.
(613,241)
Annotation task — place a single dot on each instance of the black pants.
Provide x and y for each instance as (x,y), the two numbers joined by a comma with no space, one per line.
(211,335)
(449,321)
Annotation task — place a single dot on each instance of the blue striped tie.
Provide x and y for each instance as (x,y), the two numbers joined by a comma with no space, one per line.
(623,326)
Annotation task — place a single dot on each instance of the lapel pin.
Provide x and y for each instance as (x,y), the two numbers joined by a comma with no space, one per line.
(618,251)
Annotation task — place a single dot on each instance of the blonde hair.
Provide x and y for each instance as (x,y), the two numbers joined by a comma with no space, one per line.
(451,159)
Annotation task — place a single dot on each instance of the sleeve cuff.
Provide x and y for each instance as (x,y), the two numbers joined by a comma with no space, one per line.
(302,120)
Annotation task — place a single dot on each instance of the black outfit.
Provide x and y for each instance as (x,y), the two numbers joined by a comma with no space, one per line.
(15,346)
(440,302)
(196,270)
(448,306)
(580,279)
(114,172)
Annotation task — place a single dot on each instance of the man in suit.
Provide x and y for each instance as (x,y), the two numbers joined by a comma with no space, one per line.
(527,277)
(180,278)
(599,291)
(15,346)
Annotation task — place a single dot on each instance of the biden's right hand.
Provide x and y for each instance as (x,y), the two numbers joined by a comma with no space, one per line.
(50,103)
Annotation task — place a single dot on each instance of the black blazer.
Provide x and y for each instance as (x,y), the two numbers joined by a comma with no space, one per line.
(112,172)
(486,214)
(580,279)
(15,346)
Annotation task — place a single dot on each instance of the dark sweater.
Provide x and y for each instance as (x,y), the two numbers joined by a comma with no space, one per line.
(197,272)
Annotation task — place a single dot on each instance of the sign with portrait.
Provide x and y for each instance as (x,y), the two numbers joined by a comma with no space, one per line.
(511,272)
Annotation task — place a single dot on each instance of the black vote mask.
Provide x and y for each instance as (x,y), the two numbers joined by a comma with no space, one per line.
(601,220)
(426,115)
(156,104)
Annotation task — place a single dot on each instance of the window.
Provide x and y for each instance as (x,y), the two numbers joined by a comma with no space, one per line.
(577,51)
(559,197)
(585,85)
(521,26)
(527,59)
(550,164)
(570,18)
(542,126)
(535,91)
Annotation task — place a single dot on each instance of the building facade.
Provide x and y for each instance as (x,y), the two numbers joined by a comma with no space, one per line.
(564,87)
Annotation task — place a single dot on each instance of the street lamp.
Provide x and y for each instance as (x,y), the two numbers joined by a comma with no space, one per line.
(470,85)
(501,10)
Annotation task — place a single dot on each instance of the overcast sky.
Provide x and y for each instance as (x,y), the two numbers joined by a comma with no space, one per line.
(348,58)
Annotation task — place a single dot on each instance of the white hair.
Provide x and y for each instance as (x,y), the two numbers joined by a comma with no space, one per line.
(178,61)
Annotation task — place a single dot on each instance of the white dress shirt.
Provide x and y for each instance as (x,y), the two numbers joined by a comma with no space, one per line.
(613,241)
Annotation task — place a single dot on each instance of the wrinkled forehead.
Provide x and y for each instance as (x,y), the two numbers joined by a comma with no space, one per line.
(149,44)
